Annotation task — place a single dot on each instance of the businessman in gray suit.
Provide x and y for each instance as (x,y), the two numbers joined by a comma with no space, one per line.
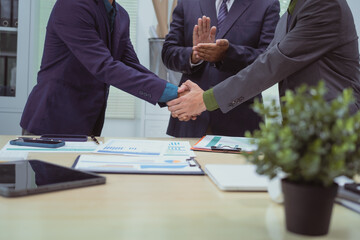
(315,40)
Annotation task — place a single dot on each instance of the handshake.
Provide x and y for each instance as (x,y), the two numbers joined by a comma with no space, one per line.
(190,103)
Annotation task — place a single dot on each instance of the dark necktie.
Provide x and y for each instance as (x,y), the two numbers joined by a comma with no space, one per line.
(222,14)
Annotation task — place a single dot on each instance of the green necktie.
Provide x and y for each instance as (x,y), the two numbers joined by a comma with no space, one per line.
(292,6)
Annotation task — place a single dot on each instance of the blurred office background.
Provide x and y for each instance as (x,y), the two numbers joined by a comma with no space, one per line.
(22,31)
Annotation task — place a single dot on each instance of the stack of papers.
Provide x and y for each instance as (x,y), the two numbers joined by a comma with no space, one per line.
(141,156)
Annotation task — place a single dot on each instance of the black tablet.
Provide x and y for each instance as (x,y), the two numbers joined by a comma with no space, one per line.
(20,178)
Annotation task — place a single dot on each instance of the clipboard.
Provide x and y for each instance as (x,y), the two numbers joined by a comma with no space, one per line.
(126,164)
(227,149)
(225,144)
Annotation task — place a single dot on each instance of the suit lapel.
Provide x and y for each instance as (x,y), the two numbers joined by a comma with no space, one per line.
(208,9)
(236,10)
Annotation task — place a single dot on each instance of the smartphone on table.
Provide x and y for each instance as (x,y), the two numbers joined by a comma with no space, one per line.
(37,142)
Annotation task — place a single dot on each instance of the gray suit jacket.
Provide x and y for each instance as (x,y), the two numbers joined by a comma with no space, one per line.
(319,42)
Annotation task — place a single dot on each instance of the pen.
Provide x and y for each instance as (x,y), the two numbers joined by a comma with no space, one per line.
(94,139)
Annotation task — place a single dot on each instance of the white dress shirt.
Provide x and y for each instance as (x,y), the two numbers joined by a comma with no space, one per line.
(219,2)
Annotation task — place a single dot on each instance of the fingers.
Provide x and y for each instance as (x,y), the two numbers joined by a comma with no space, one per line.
(183,88)
(171,104)
(195,35)
(222,42)
(206,22)
(202,32)
(185,118)
(190,85)
(200,27)
(212,34)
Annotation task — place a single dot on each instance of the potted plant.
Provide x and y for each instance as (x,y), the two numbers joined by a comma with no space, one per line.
(315,142)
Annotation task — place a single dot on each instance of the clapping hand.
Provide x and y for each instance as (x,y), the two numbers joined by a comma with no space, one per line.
(202,33)
(211,52)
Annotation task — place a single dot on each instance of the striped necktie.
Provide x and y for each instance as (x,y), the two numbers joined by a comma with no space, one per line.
(222,14)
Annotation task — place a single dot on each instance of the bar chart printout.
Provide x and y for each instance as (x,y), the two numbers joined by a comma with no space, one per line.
(146,148)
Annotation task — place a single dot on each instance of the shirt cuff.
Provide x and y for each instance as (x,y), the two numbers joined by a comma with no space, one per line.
(209,100)
(192,65)
(170,93)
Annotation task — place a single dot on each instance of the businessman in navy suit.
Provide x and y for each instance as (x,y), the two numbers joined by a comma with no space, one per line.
(87,49)
(245,32)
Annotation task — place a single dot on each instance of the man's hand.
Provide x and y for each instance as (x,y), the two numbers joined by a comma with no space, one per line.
(183,90)
(190,104)
(211,52)
(202,33)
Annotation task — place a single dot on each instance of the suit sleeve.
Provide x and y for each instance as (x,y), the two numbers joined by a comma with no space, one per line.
(175,54)
(77,29)
(315,33)
(239,56)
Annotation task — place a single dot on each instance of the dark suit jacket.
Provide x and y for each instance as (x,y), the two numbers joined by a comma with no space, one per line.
(319,43)
(249,27)
(81,59)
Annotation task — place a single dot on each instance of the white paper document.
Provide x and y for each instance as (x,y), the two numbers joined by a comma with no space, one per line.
(69,147)
(146,148)
(12,156)
(225,143)
(138,164)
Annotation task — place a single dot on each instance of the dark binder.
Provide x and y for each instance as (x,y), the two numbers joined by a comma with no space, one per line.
(5,13)
(14,16)
(11,76)
(2,76)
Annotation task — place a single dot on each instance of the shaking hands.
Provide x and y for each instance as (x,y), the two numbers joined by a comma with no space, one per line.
(189,104)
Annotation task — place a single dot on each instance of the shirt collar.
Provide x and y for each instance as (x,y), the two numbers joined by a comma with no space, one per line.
(109,7)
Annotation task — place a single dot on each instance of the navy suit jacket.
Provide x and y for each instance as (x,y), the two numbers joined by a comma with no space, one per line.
(81,59)
(249,27)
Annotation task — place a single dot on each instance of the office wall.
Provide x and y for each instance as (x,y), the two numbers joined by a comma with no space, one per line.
(355,8)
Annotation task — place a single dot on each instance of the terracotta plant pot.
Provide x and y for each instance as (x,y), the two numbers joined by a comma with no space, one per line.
(308,207)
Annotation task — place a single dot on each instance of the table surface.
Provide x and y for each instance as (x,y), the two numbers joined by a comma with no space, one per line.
(133,206)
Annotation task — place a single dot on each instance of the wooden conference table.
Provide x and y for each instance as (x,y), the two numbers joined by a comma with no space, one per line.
(154,207)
